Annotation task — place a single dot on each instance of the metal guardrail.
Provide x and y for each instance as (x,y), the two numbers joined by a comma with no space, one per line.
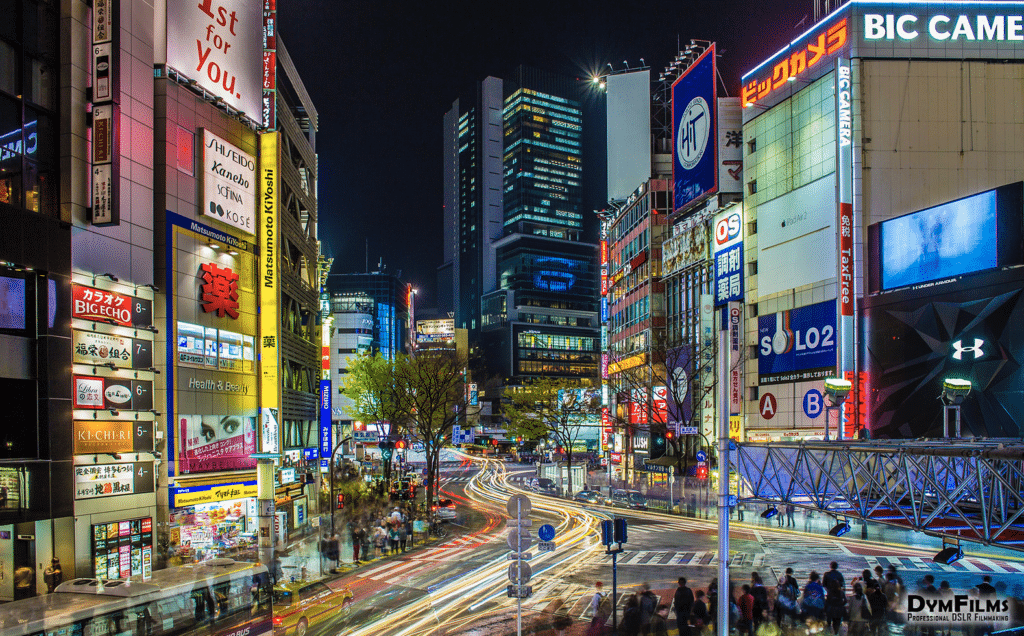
(964,489)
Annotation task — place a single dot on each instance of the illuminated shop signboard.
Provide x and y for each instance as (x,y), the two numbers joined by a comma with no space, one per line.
(116,352)
(123,548)
(101,305)
(867,29)
(111,480)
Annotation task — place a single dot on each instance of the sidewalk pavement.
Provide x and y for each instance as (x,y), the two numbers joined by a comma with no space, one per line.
(302,560)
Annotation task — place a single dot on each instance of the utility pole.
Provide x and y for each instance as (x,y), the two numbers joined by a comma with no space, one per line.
(724,594)
(334,504)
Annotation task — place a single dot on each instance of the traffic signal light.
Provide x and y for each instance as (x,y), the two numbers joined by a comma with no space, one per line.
(658,444)
(669,435)
(702,472)
(341,502)
(401,444)
(620,530)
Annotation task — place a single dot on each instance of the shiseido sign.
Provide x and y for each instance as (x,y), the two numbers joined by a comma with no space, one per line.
(229,183)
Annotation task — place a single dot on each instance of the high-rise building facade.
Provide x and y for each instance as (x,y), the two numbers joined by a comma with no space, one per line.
(473,187)
(541,319)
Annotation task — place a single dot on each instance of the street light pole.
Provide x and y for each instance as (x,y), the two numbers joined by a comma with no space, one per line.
(333,503)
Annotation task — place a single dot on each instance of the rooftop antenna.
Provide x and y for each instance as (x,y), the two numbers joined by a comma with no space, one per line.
(367,264)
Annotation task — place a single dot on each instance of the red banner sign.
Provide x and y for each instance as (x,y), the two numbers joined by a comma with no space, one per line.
(845,259)
(102,306)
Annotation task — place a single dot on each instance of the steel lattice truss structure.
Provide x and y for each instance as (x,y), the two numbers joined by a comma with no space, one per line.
(964,489)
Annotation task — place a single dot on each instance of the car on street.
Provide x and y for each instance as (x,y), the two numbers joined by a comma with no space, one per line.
(545,486)
(590,497)
(445,510)
(629,499)
(301,604)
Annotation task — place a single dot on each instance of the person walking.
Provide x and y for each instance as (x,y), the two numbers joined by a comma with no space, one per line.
(403,536)
(760,594)
(659,622)
(785,602)
(877,624)
(630,625)
(713,602)
(682,603)
(699,614)
(648,604)
(790,516)
(394,537)
(835,605)
(746,605)
(859,611)
(833,574)
(600,606)
(791,582)
(812,605)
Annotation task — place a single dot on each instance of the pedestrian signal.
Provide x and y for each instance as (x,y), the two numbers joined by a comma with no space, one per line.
(341,502)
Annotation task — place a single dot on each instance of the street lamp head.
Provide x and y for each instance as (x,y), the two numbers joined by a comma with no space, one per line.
(836,390)
(955,391)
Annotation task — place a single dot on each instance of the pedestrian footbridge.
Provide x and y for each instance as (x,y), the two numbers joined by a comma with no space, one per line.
(957,488)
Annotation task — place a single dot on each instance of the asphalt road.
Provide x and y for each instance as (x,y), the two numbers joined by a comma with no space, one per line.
(458,586)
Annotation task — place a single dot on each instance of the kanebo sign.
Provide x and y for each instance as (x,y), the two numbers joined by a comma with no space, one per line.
(941,27)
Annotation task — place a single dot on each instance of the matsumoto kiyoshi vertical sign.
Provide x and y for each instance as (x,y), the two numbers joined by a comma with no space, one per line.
(269,286)
(229,183)
(695,165)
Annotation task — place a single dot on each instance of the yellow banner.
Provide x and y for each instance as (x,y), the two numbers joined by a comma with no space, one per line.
(269,282)
(214,493)
(103,437)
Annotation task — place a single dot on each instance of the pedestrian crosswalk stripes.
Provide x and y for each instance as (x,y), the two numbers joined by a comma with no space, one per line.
(670,558)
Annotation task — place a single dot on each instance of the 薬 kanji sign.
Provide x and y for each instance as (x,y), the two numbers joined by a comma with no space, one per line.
(220,290)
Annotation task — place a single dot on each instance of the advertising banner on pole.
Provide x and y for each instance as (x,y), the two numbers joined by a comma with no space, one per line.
(269,284)
(695,164)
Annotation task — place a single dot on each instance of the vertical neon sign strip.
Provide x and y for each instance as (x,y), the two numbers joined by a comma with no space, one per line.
(844,183)
(270,359)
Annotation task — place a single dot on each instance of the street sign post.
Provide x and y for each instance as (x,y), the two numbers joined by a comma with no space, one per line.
(519,539)
(546,532)
(546,546)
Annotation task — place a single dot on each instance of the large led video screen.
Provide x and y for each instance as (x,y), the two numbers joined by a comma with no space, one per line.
(974,234)
(948,240)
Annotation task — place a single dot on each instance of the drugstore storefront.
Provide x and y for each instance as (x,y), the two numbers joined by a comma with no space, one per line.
(211,521)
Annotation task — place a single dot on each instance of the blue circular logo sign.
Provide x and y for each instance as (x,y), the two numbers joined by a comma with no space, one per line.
(813,403)
(702,456)
(546,532)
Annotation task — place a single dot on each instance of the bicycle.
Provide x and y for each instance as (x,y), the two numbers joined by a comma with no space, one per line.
(438,530)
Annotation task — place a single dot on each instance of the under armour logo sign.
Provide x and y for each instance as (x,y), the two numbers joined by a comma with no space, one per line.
(960,349)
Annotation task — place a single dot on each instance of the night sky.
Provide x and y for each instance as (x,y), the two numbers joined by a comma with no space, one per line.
(382,75)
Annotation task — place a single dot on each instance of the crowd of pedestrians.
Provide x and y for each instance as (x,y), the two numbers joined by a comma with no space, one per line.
(869,604)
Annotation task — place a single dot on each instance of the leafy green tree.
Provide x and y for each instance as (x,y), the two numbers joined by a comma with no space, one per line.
(433,384)
(375,395)
(554,408)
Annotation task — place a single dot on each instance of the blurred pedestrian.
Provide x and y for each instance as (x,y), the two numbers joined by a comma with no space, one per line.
(746,605)
(790,515)
(600,609)
(785,602)
(760,594)
(833,574)
(812,605)
(659,623)
(835,605)
(858,610)
(683,605)
(699,614)
(648,603)
(878,605)
(630,625)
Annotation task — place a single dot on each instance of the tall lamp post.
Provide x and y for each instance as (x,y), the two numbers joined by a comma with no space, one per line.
(333,502)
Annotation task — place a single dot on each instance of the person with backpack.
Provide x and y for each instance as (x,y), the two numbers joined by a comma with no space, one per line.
(600,608)
(812,605)
(683,603)
(648,605)
(659,622)
(785,602)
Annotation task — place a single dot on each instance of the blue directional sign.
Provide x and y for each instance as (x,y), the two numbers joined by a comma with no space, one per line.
(546,532)
(813,403)
(702,456)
